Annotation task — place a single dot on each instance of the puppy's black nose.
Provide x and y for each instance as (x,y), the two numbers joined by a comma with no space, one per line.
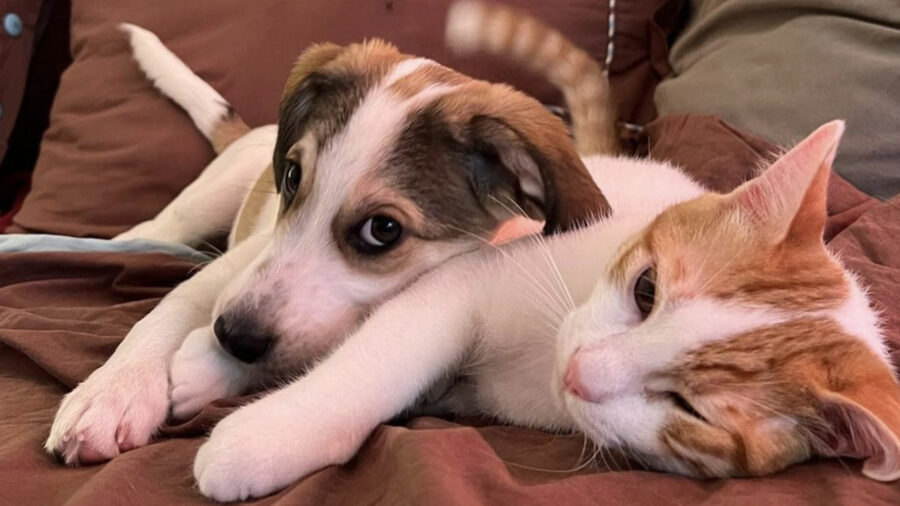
(242,337)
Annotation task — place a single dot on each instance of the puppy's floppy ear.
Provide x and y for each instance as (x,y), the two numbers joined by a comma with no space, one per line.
(530,171)
(303,87)
(310,60)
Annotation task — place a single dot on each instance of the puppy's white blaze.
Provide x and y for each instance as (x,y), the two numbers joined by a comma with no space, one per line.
(241,284)
(463,31)
(175,80)
(428,95)
(401,70)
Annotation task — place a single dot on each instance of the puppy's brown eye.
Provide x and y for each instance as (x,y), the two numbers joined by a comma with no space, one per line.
(291,180)
(645,291)
(379,232)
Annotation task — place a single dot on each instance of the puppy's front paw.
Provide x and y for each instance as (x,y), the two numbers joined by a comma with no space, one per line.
(116,409)
(202,372)
(243,458)
(264,447)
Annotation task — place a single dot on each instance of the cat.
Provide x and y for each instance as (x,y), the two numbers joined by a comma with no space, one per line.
(710,334)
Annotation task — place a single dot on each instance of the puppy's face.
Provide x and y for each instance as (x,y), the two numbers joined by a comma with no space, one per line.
(387,165)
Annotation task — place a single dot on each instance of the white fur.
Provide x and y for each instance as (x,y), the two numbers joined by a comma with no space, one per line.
(512,338)
(202,372)
(858,319)
(618,357)
(175,80)
(505,330)
(121,404)
(209,205)
(303,248)
(548,300)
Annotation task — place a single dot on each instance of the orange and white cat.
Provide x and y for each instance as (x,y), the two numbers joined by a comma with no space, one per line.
(709,334)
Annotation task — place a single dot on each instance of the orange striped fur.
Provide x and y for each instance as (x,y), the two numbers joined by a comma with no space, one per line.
(481,26)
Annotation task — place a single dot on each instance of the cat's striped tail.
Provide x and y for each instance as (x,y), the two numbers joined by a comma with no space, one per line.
(212,114)
(474,25)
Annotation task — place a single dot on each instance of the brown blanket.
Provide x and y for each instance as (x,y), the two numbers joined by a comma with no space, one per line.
(62,314)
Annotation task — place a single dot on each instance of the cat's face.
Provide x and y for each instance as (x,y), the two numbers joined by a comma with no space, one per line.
(726,341)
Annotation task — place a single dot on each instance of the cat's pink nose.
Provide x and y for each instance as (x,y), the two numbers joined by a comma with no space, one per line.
(572,381)
(580,379)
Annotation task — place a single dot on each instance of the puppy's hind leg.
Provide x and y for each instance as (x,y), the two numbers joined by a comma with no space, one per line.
(208,206)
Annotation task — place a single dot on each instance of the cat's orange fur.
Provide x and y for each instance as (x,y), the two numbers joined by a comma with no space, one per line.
(762,246)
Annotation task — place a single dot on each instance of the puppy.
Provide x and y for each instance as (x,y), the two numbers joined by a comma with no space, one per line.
(383,166)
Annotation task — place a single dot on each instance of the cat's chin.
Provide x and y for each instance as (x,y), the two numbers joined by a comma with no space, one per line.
(627,423)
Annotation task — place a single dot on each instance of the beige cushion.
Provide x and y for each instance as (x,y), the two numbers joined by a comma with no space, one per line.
(779,68)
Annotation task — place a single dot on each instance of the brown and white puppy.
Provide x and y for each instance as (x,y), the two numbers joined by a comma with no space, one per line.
(383,166)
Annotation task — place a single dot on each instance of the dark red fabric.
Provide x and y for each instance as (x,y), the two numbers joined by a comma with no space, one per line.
(49,58)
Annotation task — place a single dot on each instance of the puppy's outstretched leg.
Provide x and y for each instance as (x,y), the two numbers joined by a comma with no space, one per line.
(324,417)
(121,404)
(208,206)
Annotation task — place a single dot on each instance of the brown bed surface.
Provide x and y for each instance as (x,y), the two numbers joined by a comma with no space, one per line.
(62,314)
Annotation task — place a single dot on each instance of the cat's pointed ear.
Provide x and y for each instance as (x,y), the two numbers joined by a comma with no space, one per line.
(788,199)
(863,421)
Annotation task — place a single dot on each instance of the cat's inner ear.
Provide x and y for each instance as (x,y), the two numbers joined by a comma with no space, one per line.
(788,199)
(863,422)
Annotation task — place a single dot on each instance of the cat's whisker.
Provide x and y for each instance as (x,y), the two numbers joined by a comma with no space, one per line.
(551,261)
(602,454)
(634,456)
(584,443)
(578,467)
(527,276)
(557,283)
(216,250)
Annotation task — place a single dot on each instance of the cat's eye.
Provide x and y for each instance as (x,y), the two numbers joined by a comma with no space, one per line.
(645,291)
(379,233)
(291,180)
(681,403)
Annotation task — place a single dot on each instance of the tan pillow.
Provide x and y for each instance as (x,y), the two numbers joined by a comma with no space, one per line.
(780,68)
(117,152)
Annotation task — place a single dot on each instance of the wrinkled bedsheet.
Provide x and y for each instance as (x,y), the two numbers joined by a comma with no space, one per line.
(62,313)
